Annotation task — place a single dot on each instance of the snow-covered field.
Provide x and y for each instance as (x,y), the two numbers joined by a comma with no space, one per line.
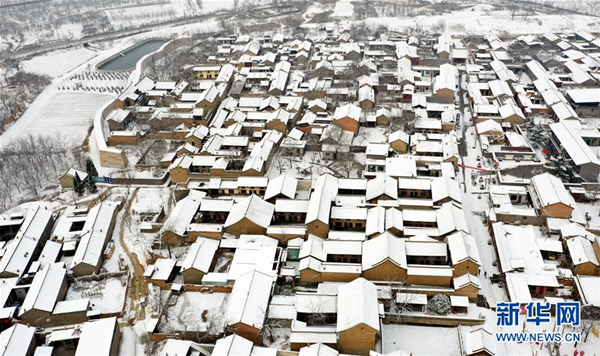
(66,114)
(483,22)
(343,9)
(127,17)
(214,5)
(479,19)
(57,63)
(409,338)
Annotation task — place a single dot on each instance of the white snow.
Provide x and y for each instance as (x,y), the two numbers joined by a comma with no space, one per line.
(343,9)
(57,63)
(106,296)
(483,22)
(188,311)
(409,338)
(66,114)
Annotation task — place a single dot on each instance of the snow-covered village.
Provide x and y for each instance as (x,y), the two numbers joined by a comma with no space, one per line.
(299,177)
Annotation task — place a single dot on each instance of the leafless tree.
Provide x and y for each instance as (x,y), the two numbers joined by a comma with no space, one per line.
(347,165)
(270,329)
(399,305)
(317,315)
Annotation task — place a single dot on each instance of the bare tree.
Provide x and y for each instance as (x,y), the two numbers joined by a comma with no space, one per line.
(317,315)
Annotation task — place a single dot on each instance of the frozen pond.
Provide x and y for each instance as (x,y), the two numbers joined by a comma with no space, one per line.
(128,59)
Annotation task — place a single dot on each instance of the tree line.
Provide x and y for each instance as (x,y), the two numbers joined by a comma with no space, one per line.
(30,164)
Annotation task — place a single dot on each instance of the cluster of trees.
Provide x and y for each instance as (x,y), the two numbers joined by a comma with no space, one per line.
(172,65)
(43,21)
(30,164)
(536,134)
(560,166)
(16,92)
(588,7)
(79,186)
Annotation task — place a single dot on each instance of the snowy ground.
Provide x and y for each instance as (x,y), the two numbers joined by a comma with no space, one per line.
(594,212)
(478,19)
(482,22)
(57,63)
(195,311)
(343,9)
(409,338)
(107,295)
(133,340)
(66,114)
(475,204)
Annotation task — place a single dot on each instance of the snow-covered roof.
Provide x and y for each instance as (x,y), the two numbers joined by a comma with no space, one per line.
(462,246)
(366,93)
(249,299)
(518,289)
(411,298)
(45,289)
(385,247)
(176,348)
(578,73)
(316,302)
(71,172)
(340,247)
(349,110)
(375,221)
(200,255)
(574,229)
(585,96)
(477,340)
(96,229)
(71,306)
(232,345)
(313,247)
(284,184)
(572,142)
(254,209)
(510,109)
(318,349)
(357,304)
(550,190)
(488,126)
(253,252)
(97,337)
(21,250)
(118,115)
(16,340)
(398,136)
(348,213)
(466,279)
(443,187)
(161,269)
(401,167)
(581,251)
(446,79)
(394,219)
(216,205)
(425,248)
(588,287)
(382,185)
(319,206)
(183,213)
(430,271)
(377,149)
(451,218)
